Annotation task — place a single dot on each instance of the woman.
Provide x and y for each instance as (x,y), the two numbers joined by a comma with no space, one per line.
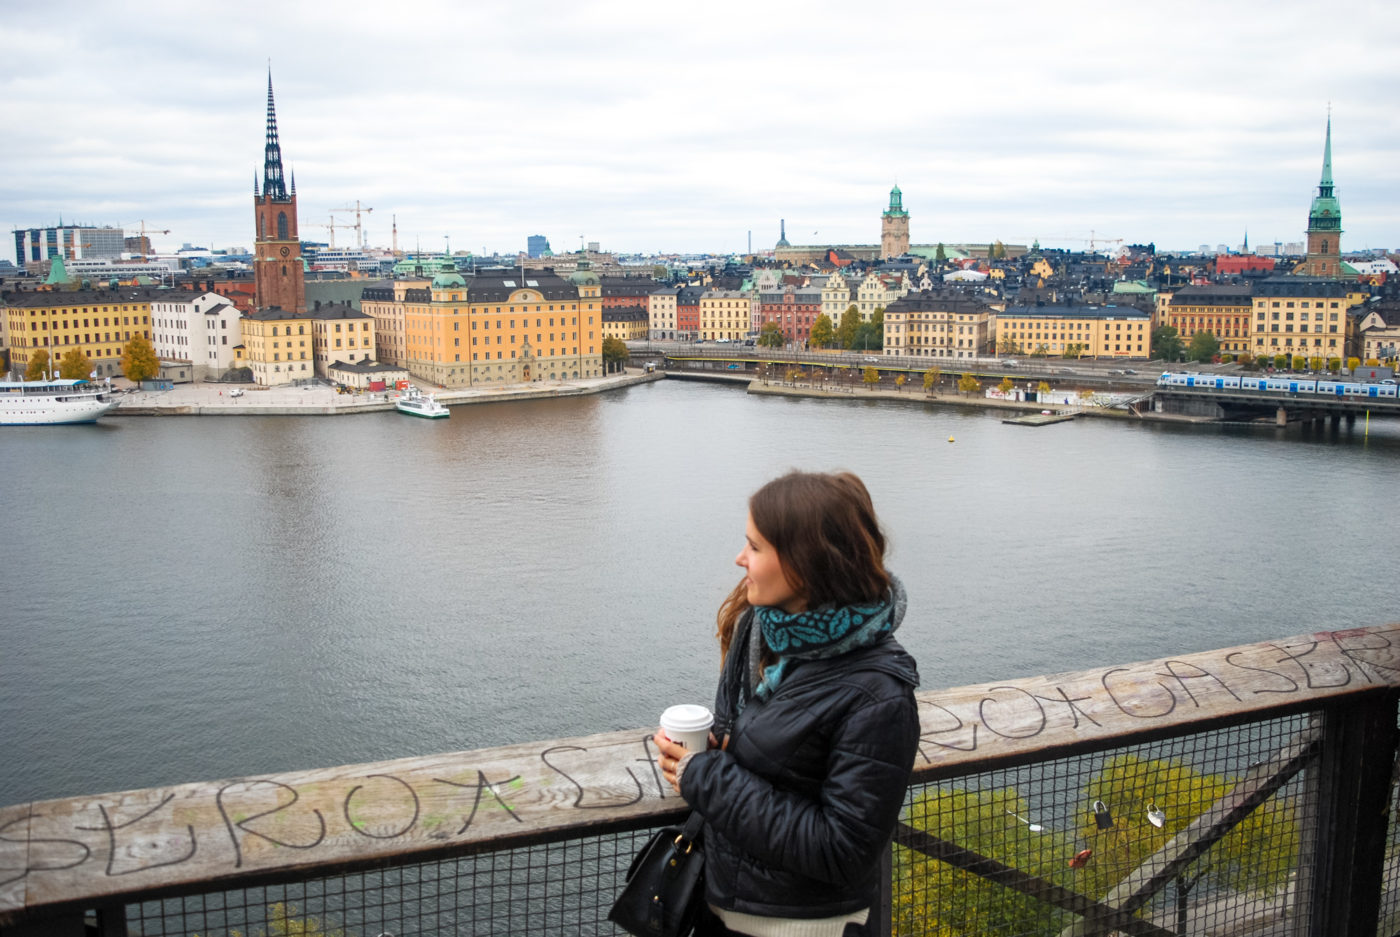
(815,721)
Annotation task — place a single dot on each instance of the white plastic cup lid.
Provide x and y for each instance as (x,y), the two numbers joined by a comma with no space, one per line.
(687,717)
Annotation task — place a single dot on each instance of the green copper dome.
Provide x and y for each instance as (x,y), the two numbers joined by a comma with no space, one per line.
(445,281)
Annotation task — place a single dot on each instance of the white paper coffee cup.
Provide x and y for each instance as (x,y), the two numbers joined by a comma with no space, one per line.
(688,725)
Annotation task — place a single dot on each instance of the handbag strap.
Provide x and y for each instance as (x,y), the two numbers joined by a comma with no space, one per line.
(693,825)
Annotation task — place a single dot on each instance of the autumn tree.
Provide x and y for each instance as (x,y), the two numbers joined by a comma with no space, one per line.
(1353,363)
(899,380)
(1299,362)
(139,361)
(931,378)
(770,336)
(38,367)
(969,384)
(823,333)
(871,377)
(1006,385)
(1280,362)
(849,329)
(1334,364)
(614,354)
(74,364)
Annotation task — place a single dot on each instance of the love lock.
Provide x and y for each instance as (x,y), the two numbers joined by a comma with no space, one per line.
(1156,815)
(1102,817)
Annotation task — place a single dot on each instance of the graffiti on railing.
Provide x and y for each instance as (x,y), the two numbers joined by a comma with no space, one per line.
(58,851)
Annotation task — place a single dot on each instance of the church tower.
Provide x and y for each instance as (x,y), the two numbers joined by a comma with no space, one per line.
(277,267)
(1324,223)
(894,227)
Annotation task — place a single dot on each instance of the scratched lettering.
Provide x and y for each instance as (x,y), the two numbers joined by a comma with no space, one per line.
(1108,679)
(141,851)
(580,789)
(958,736)
(482,787)
(237,823)
(1182,672)
(36,851)
(1071,703)
(1016,707)
(1292,685)
(1363,650)
(1323,666)
(387,792)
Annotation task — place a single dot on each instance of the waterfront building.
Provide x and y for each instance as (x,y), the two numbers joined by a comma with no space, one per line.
(724,314)
(277,346)
(838,295)
(937,325)
(1300,316)
(71,242)
(1223,310)
(1074,330)
(386,304)
(202,329)
(1324,223)
(894,227)
(793,309)
(877,291)
(500,326)
(688,312)
(97,323)
(278,272)
(340,334)
(661,315)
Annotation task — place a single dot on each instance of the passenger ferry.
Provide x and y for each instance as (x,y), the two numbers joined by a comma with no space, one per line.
(32,403)
(416,403)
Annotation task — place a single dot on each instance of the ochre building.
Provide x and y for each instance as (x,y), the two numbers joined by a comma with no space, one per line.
(97,323)
(1223,310)
(937,325)
(1075,331)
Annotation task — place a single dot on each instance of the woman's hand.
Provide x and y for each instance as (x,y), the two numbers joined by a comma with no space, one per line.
(669,757)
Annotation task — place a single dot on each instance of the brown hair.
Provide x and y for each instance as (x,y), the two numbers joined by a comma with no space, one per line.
(828,541)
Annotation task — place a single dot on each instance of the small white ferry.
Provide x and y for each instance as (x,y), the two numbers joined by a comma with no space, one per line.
(33,403)
(416,403)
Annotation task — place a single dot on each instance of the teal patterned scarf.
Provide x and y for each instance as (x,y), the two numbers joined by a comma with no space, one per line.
(816,633)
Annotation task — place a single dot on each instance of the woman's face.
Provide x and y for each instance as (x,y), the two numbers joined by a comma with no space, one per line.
(765,582)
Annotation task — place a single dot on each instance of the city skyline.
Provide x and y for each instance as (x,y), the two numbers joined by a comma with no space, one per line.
(654,130)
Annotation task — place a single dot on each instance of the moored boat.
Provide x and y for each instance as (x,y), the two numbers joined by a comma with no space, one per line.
(415,403)
(57,401)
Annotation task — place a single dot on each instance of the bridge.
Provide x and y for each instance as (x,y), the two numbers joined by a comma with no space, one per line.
(1243,791)
(1242,405)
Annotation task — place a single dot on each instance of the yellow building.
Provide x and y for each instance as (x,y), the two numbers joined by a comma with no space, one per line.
(628,323)
(494,328)
(277,346)
(340,333)
(97,323)
(386,305)
(1300,316)
(1224,310)
(725,314)
(931,325)
(1075,331)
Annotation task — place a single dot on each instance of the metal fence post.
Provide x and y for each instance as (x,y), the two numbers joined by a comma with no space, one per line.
(881,920)
(1353,816)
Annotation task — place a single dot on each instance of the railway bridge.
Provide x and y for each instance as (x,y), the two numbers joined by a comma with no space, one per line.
(1284,406)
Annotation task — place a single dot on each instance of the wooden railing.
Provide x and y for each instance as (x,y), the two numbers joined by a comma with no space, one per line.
(61,859)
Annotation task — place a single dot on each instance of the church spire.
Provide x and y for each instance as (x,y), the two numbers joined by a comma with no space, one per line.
(1326,212)
(1324,186)
(273,186)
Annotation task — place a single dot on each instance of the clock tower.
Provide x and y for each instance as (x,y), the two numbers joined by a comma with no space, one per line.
(277,267)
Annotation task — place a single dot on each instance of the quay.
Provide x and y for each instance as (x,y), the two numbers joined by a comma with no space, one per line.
(1087,803)
(319,399)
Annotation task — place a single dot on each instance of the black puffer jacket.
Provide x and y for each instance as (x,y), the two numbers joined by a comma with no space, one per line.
(800,804)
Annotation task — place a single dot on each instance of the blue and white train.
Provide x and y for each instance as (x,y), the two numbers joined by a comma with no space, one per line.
(1278,383)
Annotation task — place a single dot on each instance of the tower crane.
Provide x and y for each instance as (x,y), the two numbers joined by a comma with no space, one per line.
(1092,240)
(359,230)
(145,242)
(332,226)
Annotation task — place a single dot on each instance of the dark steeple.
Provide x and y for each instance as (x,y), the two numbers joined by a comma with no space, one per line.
(273,186)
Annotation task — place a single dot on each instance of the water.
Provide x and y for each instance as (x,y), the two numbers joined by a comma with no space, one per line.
(200,598)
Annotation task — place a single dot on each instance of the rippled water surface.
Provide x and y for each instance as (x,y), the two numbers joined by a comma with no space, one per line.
(198,598)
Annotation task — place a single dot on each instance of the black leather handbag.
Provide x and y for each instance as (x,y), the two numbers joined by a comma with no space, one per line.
(665,884)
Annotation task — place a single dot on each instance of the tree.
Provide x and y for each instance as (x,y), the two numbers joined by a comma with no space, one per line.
(871,377)
(899,380)
(940,256)
(74,364)
(1006,385)
(1299,362)
(1353,363)
(139,361)
(1280,362)
(1315,362)
(823,333)
(969,384)
(849,328)
(1334,364)
(770,336)
(875,329)
(1073,350)
(1166,343)
(614,354)
(38,367)
(1042,388)
(1040,351)
(1204,346)
(931,378)
(1009,346)
(998,251)
(1246,360)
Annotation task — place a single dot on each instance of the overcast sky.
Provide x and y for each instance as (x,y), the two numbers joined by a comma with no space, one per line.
(680,127)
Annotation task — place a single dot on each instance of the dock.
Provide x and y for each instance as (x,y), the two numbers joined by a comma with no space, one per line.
(1041,419)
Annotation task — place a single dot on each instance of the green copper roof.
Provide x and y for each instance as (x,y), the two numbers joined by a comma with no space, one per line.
(58,273)
(896,208)
(1326,211)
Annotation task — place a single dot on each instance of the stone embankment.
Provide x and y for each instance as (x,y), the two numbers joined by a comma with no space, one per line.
(209,399)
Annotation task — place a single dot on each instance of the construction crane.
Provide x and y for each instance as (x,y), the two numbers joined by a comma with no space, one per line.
(145,241)
(332,226)
(359,230)
(1092,240)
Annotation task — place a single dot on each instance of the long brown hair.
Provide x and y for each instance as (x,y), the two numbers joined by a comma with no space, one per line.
(828,540)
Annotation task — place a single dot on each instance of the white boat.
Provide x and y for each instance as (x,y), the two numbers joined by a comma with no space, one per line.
(416,403)
(33,403)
